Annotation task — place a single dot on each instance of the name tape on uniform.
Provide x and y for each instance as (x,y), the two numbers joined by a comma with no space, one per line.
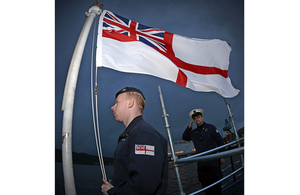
(144,149)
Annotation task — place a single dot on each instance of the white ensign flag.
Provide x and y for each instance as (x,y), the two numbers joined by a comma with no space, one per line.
(198,64)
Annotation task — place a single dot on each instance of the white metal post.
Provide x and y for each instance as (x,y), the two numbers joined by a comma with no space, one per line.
(234,128)
(69,96)
(165,115)
(231,117)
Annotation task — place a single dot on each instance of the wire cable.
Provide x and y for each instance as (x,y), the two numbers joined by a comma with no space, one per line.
(96,128)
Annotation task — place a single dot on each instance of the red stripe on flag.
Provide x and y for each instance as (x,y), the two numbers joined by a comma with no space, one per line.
(198,69)
(186,66)
(181,78)
(117,36)
(133,29)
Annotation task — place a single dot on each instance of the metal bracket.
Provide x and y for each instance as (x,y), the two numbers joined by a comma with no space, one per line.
(66,135)
(96,90)
(165,115)
(94,4)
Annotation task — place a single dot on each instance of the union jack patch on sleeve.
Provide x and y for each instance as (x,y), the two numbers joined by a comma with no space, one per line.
(144,150)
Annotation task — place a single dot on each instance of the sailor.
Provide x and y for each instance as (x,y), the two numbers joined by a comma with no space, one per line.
(205,137)
(141,157)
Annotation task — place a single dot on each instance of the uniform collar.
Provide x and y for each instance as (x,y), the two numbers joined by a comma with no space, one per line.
(201,126)
(131,126)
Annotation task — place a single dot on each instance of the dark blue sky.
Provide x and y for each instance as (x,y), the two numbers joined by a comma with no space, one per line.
(196,19)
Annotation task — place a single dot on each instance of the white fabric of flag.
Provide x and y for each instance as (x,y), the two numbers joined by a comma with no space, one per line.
(198,64)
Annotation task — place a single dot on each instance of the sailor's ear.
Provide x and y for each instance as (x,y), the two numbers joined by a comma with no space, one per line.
(130,103)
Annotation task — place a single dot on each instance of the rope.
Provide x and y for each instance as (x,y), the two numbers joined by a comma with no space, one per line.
(96,129)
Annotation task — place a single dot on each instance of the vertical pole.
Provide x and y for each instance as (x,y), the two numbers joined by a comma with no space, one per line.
(165,115)
(231,118)
(236,134)
(68,100)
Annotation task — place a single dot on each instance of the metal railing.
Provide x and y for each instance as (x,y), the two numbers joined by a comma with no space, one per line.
(203,189)
(209,151)
(205,156)
(199,157)
(224,154)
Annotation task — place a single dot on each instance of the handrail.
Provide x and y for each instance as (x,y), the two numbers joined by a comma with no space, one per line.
(217,181)
(198,157)
(213,156)
(212,150)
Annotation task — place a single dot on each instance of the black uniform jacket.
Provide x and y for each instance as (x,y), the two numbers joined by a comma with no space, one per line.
(141,161)
(204,137)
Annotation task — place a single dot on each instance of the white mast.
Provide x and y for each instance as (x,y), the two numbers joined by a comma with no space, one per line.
(69,96)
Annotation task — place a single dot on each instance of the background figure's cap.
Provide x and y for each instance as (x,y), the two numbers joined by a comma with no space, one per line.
(129,89)
(195,111)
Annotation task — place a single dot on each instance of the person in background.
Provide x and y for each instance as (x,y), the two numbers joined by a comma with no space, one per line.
(229,136)
(141,157)
(205,137)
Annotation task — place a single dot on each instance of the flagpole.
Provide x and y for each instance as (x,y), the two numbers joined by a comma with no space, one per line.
(69,96)
(165,115)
